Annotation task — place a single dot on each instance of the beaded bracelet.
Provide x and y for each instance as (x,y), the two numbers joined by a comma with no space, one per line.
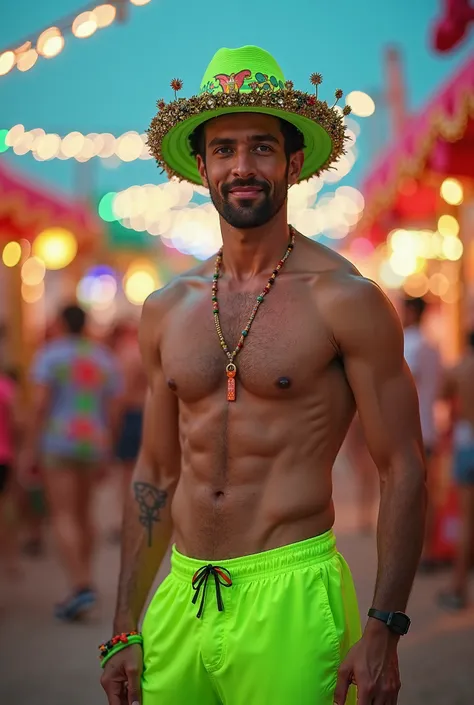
(116,644)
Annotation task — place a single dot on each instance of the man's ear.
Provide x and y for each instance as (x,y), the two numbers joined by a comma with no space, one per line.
(201,165)
(294,167)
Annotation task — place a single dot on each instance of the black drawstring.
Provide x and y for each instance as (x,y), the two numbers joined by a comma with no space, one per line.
(200,578)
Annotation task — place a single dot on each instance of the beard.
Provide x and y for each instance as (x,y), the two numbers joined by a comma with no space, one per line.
(245,214)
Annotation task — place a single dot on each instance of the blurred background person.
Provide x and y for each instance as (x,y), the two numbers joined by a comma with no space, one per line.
(424,361)
(9,430)
(124,342)
(458,388)
(70,431)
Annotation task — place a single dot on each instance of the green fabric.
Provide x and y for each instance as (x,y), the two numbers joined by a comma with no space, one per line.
(289,618)
(238,70)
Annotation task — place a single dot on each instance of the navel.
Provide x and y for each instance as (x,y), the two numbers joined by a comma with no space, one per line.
(172,385)
(283,383)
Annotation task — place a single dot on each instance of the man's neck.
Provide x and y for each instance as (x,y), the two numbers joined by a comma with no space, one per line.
(251,251)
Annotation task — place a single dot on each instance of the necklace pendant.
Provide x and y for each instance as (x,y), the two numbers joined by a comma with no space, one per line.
(231,371)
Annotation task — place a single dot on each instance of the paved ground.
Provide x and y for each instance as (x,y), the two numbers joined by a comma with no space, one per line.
(45,663)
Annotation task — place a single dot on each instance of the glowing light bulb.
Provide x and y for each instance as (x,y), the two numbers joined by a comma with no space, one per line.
(361,103)
(11,254)
(7,62)
(452,192)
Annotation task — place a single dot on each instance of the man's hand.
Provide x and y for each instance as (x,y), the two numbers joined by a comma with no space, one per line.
(372,665)
(121,677)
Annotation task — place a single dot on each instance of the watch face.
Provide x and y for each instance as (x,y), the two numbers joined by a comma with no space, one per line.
(399,622)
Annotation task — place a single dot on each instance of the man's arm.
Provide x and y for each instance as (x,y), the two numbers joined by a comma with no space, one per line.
(368,335)
(147,523)
(370,339)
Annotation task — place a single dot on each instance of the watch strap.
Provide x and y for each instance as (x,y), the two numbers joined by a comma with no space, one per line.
(397,622)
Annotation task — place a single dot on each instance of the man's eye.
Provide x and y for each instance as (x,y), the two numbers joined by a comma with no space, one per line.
(263,148)
(223,150)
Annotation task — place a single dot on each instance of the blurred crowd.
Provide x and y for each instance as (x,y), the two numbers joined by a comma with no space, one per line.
(81,419)
(446,402)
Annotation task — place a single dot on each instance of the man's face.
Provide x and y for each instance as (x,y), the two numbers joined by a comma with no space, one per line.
(246,168)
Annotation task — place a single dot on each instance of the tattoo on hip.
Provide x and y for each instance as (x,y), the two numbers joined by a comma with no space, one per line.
(150,500)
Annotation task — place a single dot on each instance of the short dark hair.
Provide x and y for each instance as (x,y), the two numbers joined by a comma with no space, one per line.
(294,139)
(470,339)
(74,318)
(417,305)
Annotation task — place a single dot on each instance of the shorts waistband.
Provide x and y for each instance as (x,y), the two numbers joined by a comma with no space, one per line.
(258,565)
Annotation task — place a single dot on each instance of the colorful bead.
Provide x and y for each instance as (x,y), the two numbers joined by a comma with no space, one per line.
(231,355)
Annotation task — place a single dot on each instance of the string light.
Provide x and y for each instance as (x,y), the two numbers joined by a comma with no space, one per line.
(50,42)
(128,147)
(452,192)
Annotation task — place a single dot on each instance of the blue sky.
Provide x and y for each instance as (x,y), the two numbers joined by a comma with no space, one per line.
(110,82)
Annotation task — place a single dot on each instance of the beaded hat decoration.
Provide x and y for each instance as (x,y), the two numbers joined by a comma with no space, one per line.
(246,80)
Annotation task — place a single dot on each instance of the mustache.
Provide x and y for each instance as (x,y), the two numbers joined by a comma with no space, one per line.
(238,183)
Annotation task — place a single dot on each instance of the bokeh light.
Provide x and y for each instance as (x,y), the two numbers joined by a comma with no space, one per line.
(26,60)
(7,62)
(452,191)
(72,144)
(106,207)
(448,225)
(33,271)
(97,290)
(140,281)
(11,254)
(391,279)
(56,247)
(104,15)
(438,284)
(84,25)
(129,146)
(452,248)
(48,147)
(361,103)
(32,294)
(416,285)
(3,141)
(14,135)
(138,286)
(50,43)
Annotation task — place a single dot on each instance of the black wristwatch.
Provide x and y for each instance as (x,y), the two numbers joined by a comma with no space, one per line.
(397,622)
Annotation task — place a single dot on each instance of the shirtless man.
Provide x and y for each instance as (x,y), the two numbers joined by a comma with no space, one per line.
(458,387)
(259,606)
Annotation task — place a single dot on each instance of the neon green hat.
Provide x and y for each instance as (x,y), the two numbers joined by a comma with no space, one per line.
(246,80)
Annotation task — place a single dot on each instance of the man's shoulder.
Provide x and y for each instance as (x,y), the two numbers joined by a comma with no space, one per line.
(162,300)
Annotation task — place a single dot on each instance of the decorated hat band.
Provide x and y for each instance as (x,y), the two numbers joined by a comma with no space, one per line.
(246,80)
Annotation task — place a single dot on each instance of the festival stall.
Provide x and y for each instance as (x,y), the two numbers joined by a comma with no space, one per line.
(416,236)
(40,234)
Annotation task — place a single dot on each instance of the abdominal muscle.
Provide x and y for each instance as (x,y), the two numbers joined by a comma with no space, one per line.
(255,482)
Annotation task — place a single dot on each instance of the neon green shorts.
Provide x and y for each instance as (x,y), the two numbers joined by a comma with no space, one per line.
(272,628)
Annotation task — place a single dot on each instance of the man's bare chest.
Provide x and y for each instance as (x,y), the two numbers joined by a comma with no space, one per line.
(287,346)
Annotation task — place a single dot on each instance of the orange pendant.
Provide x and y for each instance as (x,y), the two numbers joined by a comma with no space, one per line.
(231,371)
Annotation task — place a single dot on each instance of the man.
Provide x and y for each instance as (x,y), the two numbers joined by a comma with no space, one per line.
(76,382)
(254,363)
(424,362)
(458,387)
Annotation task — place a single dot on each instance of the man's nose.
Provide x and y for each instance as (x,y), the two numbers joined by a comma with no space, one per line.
(244,164)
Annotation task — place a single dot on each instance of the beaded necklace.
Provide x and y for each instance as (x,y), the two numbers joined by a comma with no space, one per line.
(231,369)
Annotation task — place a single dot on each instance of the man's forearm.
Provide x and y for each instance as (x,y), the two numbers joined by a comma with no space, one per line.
(147,529)
(400,535)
